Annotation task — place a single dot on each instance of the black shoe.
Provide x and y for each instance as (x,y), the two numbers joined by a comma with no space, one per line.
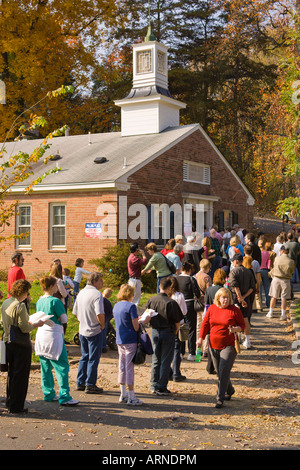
(25,410)
(93,389)
(219,404)
(228,396)
(181,378)
(80,387)
(162,392)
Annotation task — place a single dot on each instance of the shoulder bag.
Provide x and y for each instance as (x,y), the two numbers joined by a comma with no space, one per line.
(170,265)
(15,334)
(140,355)
(3,359)
(198,306)
(183,333)
(145,340)
(237,343)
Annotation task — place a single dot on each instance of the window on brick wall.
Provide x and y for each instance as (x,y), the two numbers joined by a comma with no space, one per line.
(196,173)
(23,226)
(160,225)
(57,226)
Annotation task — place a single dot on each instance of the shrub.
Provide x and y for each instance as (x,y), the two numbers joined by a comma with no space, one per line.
(113,266)
(3,275)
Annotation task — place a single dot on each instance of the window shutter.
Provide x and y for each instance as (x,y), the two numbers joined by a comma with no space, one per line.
(196,173)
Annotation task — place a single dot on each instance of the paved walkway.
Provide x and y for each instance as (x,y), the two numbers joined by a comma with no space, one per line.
(263,413)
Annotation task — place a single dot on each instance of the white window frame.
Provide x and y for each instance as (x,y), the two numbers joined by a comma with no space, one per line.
(19,244)
(206,170)
(51,224)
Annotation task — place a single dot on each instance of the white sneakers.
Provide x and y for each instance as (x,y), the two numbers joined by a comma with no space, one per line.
(282,317)
(71,402)
(134,401)
(123,399)
(191,357)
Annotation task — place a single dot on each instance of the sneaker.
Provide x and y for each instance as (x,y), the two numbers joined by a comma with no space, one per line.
(123,399)
(269,315)
(283,316)
(134,401)
(93,389)
(71,402)
(56,398)
(191,357)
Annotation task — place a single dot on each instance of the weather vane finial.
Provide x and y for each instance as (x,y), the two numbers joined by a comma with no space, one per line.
(150,36)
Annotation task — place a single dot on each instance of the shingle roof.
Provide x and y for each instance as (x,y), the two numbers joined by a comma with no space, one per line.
(77,162)
(78,153)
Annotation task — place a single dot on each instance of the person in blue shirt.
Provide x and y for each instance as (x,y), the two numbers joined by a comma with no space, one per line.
(127,325)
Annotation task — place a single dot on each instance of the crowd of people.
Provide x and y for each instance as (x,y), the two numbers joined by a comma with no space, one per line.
(207,289)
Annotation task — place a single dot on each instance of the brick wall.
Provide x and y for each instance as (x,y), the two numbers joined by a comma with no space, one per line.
(161,181)
(81,208)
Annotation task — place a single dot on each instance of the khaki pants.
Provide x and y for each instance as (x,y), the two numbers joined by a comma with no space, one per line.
(257,305)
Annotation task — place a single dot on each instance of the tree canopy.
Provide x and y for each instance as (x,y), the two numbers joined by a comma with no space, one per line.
(225,63)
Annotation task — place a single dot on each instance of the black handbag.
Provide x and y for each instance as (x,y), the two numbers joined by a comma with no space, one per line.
(145,341)
(140,355)
(16,336)
(170,265)
(198,305)
(3,362)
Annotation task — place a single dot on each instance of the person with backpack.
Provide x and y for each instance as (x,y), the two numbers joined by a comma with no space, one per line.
(158,262)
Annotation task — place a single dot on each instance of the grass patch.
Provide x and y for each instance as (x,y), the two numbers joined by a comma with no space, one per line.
(73,324)
(297,312)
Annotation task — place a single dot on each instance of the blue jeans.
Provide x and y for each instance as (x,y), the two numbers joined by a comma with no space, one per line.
(91,348)
(163,342)
(265,285)
(104,335)
(215,264)
(177,358)
(76,287)
(158,282)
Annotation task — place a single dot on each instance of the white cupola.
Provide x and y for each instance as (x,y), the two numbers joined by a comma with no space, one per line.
(149,108)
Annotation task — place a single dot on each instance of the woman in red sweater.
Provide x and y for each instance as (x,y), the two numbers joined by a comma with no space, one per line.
(221,321)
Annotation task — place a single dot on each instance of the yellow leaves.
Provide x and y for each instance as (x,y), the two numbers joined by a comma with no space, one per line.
(148,441)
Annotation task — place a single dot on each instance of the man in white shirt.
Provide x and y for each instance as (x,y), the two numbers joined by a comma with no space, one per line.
(239,232)
(278,245)
(89,310)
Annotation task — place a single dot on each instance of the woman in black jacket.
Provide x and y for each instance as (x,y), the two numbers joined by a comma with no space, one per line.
(190,289)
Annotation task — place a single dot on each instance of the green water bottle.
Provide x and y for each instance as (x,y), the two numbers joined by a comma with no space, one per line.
(198,355)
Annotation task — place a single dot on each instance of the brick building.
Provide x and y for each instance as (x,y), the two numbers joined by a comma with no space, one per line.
(146,182)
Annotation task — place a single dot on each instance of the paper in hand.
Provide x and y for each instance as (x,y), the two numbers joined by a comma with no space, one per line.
(148,313)
(36,317)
